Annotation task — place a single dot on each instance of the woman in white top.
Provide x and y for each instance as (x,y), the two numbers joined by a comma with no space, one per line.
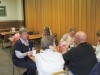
(98,47)
(69,37)
(49,61)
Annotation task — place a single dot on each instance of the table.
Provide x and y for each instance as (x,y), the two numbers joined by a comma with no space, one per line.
(11,33)
(35,36)
(31,37)
(33,54)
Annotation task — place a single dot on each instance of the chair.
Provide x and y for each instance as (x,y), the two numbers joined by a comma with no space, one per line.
(6,40)
(63,72)
(18,70)
(1,41)
(30,32)
(56,40)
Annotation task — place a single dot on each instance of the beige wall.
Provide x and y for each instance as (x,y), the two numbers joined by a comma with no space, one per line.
(13,10)
(60,15)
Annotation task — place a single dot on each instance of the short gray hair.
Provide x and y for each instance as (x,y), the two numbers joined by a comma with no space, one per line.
(22,30)
(47,41)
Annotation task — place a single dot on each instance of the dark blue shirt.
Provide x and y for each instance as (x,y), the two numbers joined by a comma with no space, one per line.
(22,48)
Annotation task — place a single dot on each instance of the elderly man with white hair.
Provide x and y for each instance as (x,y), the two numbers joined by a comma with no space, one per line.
(80,59)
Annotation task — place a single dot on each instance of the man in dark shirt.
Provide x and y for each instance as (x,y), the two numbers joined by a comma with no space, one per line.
(81,59)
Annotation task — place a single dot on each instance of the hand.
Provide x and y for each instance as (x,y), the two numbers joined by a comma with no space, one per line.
(29,53)
(64,47)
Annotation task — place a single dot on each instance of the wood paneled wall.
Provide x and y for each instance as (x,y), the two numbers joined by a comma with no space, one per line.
(11,23)
(60,15)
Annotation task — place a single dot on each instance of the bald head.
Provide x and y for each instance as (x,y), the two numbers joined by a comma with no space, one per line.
(80,37)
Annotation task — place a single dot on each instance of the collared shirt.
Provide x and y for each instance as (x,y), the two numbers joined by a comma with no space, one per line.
(98,52)
(49,62)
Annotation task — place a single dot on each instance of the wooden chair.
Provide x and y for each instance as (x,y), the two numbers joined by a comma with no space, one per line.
(30,32)
(1,41)
(6,40)
(64,72)
(18,70)
(56,40)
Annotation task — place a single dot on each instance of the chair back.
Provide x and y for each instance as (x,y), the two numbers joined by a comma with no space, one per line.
(30,32)
(56,40)
(6,38)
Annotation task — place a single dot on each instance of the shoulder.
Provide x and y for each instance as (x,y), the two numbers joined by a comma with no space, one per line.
(57,53)
(17,34)
(65,34)
(74,49)
(38,56)
(18,42)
